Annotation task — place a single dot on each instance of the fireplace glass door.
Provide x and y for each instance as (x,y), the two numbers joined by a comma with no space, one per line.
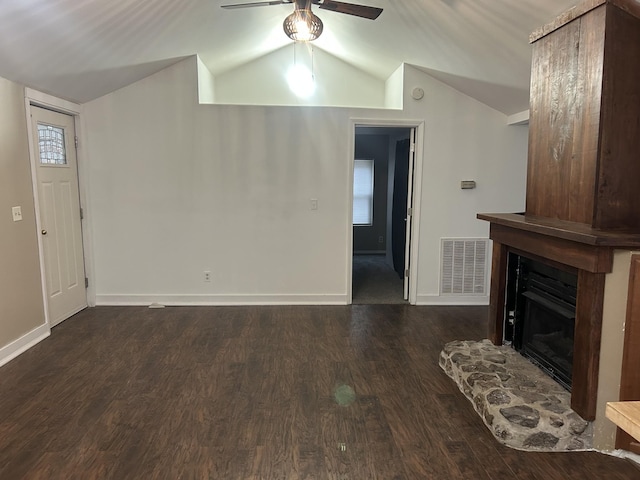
(542,320)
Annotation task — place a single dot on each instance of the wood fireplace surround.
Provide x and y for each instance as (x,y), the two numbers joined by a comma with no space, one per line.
(583,171)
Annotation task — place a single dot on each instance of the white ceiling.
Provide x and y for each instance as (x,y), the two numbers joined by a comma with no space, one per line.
(83,49)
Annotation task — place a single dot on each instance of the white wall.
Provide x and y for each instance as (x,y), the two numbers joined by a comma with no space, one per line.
(394,89)
(464,140)
(179,188)
(264,81)
(206,83)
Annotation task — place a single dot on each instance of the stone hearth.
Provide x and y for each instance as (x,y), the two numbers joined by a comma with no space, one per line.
(521,406)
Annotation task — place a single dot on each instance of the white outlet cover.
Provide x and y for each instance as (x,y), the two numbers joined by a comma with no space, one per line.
(16,212)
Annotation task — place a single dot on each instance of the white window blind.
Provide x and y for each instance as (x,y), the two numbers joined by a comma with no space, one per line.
(363,192)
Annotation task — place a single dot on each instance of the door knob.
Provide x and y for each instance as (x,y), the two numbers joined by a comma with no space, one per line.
(44,232)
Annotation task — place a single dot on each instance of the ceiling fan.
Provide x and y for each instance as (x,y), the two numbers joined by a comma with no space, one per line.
(302,25)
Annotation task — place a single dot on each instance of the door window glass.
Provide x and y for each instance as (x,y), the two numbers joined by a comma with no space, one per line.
(51,143)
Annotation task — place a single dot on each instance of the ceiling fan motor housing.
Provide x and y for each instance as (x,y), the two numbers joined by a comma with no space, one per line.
(302,25)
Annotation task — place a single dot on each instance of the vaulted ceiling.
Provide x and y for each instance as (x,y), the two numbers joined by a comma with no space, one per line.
(83,49)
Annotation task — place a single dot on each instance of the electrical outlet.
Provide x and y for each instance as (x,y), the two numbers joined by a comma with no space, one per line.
(314,203)
(380,239)
(207,276)
(16,212)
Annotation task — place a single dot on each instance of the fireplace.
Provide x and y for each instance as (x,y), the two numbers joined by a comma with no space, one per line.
(582,200)
(542,312)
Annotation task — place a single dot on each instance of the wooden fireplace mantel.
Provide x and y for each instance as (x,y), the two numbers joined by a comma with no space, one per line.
(579,233)
(571,246)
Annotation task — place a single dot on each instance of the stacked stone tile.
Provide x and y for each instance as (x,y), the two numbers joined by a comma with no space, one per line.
(524,408)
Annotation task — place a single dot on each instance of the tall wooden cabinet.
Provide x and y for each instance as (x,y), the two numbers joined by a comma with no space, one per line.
(584,134)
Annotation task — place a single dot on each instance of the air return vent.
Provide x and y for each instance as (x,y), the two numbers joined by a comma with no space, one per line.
(464,266)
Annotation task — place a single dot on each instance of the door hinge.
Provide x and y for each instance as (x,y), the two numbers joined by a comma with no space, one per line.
(412,149)
(406,273)
(81,214)
(75,139)
(86,282)
(409,211)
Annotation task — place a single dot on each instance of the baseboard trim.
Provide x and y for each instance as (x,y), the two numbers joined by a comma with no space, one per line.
(452,300)
(24,343)
(221,300)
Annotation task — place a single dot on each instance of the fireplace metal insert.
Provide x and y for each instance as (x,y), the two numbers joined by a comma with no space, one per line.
(541,307)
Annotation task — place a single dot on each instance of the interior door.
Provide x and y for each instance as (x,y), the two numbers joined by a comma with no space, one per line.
(409,212)
(403,208)
(399,208)
(59,207)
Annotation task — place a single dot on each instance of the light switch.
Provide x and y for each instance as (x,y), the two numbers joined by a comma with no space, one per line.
(17,213)
(314,203)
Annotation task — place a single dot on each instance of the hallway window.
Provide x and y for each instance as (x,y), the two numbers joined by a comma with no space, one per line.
(363,192)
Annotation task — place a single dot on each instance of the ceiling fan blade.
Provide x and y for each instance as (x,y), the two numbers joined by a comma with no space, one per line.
(350,8)
(257,4)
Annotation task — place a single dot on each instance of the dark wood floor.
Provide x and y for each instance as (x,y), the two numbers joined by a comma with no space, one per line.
(247,393)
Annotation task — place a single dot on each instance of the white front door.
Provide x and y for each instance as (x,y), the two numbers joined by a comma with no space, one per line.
(407,247)
(59,206)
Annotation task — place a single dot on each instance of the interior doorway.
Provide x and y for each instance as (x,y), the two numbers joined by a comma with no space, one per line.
(384,161)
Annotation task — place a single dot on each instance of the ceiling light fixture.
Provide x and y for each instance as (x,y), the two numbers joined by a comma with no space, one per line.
(302,25)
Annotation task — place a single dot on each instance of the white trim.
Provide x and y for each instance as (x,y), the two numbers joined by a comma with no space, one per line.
(622,454)
(221,300)
(82,157)
(351,152)
(419,126)
(36,198)
(51,102)
(453,300)
(521,118)
(24,343)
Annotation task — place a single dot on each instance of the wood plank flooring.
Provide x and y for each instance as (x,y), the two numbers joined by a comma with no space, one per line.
(247,393)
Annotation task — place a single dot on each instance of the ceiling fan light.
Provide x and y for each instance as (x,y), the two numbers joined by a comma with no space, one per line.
(302,26)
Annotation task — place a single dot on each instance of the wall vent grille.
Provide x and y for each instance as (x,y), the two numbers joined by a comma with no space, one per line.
(464,266)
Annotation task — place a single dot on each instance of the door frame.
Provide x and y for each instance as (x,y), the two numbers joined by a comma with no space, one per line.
(418,125)
(43,100)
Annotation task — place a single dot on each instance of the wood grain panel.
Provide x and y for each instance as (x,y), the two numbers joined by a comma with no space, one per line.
(564,120)
(565,17)
(551,114)
(584,110)
(629,6)
(586,343)
(246,393)
(585,257)
(497,293)
(576,232)
(581,186)
(618,195)
(626,415)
